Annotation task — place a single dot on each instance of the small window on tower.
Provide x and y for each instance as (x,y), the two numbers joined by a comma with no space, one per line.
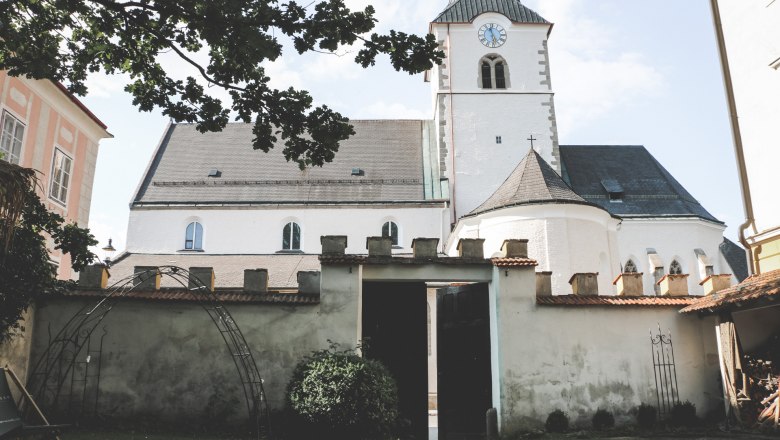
(487,77)
(493,73)
(500,79)
(498,139)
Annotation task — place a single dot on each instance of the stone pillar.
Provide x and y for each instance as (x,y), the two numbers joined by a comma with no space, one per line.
(150,280)
(203,274)
(471,248)
(256,280)
(94,276)
(309,282)
(379,246)
(425,247)
(543,283)
(715,283)
(629,284)
(585,284)
(515,248)
(333,244)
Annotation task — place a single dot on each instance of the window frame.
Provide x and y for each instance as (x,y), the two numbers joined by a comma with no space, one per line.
(292,224)
(629,263)
(53,177)
(395,241)
(490,61)
(679,267)
(195,237)
(6,113)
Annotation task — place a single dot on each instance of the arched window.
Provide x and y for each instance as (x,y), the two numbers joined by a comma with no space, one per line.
(493,72)
(291,237)
(630,267)
(193,237)
(675,268)
(390,229)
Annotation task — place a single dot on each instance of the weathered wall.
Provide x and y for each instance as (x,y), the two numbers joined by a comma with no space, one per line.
(166,360)
(16,352)
(579,359)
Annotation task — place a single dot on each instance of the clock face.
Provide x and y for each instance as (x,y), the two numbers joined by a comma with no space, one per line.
(492,35)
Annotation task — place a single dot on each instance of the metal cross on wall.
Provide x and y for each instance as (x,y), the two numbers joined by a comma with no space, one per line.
(532,139)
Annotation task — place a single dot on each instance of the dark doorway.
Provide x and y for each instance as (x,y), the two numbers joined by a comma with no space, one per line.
(464,387)
(394,331)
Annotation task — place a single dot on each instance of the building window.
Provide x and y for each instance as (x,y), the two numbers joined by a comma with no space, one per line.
(11,139)
(390,229)
(493,72)
(60,176)
(630,267)
(291,237)
(675,268)
(193,238)
(498,139)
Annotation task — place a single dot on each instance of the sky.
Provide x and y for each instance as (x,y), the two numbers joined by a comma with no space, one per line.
(624,72)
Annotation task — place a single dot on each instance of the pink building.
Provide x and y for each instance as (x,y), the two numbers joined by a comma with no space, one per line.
(43,126)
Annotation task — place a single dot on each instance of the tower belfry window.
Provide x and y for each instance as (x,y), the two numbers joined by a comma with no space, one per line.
(493,73)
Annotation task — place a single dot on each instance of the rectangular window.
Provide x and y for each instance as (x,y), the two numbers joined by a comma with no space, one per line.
(11,139)
(60,176)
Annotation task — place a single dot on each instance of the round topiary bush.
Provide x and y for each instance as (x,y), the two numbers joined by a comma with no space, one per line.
(343,395)
(603,419)
(557,421)
(683,414)
(646,416)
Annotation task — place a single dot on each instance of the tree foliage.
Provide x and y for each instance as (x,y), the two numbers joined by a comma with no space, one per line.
(25,270)
(65,40)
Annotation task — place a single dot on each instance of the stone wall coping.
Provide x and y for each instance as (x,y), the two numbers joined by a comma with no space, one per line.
(631,274)
(720,275)
(673,276)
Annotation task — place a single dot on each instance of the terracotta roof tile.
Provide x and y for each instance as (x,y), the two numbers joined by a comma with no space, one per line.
(754,288)
(514,262)
(234,296)
(612,301)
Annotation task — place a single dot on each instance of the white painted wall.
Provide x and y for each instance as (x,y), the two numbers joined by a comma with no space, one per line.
(672,239)
(259,230)
(563,238)
(752,36)
(468,118)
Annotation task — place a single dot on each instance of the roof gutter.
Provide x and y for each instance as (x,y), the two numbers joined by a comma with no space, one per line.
(737,135)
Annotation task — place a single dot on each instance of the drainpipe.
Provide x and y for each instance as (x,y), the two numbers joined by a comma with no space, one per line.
(736,133)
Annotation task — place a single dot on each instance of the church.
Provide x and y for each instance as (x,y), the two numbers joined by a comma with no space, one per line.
(535,269)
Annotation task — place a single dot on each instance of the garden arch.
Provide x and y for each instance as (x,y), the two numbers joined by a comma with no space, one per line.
(47,378)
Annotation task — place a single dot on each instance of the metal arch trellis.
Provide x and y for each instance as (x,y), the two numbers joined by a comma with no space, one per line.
(52,369)
(665,371)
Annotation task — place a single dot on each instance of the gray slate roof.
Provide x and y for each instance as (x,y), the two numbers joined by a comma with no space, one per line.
(532,181)
(464,11)
(388,151)
(736,257)
(648,189)
(228,269)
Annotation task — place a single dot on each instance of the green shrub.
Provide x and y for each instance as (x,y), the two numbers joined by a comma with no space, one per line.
(646,416)
(342,395)
(557,421)
(603,419)
(683,414)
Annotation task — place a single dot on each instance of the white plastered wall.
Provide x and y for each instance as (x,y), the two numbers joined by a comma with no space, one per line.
(259,230)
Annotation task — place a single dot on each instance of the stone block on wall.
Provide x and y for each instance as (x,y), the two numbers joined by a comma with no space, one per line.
(94,276)
(256,280)
(543,283)
(716,283)
(309,281)
(471,248)
(201,275)
(515,248)
(150,278)
(629,284)
(333,244)
(379,246)
(425,247)
(585,283)
(674,284)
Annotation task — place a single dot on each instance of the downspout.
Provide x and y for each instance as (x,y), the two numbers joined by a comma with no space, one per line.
(737,135)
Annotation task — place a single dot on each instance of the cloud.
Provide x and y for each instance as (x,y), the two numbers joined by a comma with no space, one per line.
(590,76)
(101,85)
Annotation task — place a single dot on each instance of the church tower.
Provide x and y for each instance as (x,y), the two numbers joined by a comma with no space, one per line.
(492,94)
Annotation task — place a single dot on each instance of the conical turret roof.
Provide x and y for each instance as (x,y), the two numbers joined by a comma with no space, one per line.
(464,11)
(533,181)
